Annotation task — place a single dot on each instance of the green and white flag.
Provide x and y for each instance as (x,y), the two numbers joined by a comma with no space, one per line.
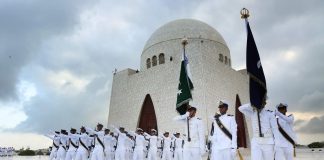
(184,88)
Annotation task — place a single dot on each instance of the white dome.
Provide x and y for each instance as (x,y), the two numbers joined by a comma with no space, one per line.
(181,28)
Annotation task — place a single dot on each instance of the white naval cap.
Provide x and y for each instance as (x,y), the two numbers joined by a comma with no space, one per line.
(282,104)
(153,130)
(139,129)
(223,102)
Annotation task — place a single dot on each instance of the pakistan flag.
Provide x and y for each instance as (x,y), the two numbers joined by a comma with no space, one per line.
(184,88)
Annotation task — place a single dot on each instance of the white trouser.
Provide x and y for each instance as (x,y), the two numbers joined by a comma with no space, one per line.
(97,153)
(120,153)
(70,154)
(178,154)
(108,154)
(284,153)
(138,153)
(53,153)
(166,155)
(61,153)
(81,154)
(261,151)
(222,154)
(152,153)
(192,153)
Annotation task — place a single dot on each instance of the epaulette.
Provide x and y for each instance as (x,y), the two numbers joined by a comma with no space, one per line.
(230,115)
(199,118)
(290,115)
(269,110)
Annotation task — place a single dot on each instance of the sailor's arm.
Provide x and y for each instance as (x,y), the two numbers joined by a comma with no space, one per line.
(181,117)
(48,136)
(246,109)
(289,119)
(90,130)
(274,125)
(234,133)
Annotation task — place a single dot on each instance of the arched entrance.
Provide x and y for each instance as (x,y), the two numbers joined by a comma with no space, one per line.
(147,119)
(239,117)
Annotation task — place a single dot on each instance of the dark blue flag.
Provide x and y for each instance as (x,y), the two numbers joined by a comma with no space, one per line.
(258,87)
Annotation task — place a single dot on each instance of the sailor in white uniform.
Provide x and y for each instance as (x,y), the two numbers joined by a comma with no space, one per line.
(166,146)
(262,146)
(140,142)
(82,152)
(194,146)
(55,146)
(177,145)
(108,143)
(120,153)
(73,143)
(61,152)
(223,134)
(285,144)
(153,140)
(98,151)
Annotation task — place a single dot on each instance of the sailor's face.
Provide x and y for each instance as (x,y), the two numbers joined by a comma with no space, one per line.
(192,113)
(99,128)
(222,109)
(282,110)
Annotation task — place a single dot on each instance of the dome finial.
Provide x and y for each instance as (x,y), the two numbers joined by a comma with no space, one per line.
(245,13)
(184,41)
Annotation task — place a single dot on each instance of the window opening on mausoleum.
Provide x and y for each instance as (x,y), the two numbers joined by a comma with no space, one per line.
(225,59)
(154,61)
(161,58)
(221,57)
(148,63)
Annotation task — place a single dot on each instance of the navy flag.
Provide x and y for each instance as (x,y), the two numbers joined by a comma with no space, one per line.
(184,88)
(258,87)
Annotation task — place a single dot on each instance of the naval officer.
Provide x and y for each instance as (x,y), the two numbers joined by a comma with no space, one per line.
(194,145)
(262,145)
(73,143)
(286,142)
(98,151)
(223,135)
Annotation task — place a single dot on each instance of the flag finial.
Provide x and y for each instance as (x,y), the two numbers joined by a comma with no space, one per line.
(184,41)
(245,13)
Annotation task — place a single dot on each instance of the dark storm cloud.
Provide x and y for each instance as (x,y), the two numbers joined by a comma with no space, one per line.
(314,126)
(24,26)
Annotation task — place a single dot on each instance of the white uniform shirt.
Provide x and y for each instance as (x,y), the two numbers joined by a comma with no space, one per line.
(178,143)
(99,135)
(140,141)
(64,140)
(286,123)
(219,139)
(73,138)
(166,143)
(269,127)
(197,130)
(152,140)
(121,139)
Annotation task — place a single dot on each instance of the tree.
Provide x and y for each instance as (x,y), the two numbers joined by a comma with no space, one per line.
(316,145)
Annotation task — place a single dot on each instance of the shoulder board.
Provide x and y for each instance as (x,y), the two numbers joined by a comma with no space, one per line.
(199,118)
(269,110)
(230,115)
(290,115)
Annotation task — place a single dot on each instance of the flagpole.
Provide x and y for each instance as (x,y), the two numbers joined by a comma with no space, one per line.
(184,42)
(245,15)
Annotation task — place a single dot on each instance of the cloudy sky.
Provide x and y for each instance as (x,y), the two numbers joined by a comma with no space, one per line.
(57,57)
